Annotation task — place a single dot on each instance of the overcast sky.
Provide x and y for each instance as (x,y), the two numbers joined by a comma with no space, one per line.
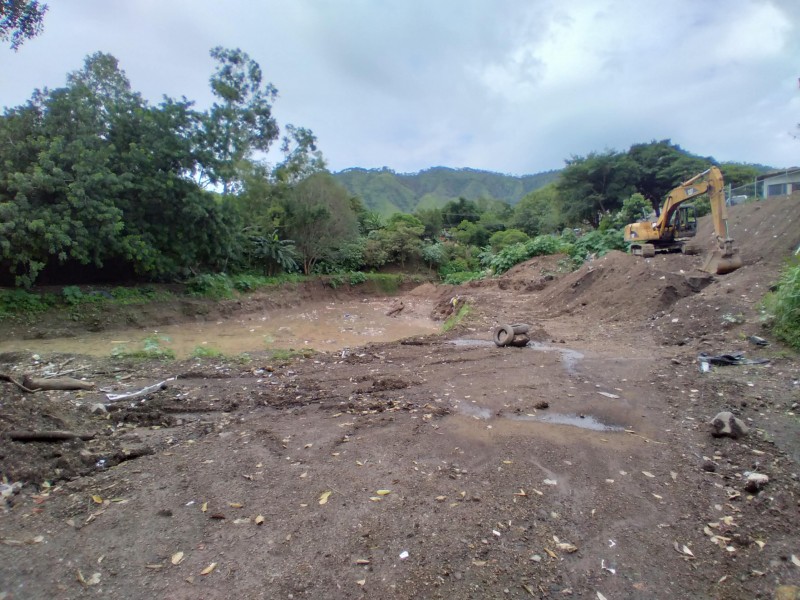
(514,86)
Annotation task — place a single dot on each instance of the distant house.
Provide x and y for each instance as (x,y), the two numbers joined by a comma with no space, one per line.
(780,183)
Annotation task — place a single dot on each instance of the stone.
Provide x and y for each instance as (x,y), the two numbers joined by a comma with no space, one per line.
(755,482)
(725,424)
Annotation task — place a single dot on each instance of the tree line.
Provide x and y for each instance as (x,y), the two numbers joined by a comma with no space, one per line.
(97,183)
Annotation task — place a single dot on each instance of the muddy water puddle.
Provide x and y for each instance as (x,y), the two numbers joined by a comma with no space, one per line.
(324,326)
(582,421)
(569,358)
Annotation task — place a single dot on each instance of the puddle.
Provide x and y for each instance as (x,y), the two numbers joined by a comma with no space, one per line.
(584,422)
(569,358)
(319,326)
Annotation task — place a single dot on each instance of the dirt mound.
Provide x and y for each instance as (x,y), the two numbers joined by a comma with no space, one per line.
(766,233)
(619,286)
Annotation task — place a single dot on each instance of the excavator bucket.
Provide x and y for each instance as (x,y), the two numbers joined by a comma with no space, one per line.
(722,260)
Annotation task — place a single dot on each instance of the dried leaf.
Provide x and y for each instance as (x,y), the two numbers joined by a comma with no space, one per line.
(601,597)
(658,497)
(568,548)
(441,498)
(97,499)
(687,551)
(204,508)
(521,492)
(647,474)
(551,553)
(177,558)
(760,544)
(235,504)
(383,492)
(362,561)
(208,569)
(259,520)
(507,462)
(795,561)
(154,567)
(361,581)
(241,521)
(323,499)
(375,498)
(550,482)
(308,445)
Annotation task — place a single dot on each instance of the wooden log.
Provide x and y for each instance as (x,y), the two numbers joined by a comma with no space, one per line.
(48,436)
(56,383)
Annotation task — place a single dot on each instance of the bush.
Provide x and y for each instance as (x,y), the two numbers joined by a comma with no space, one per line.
(15,301)
(596,243)
(72,295)
(783,306)
(462,277)
(357,277)
(216,286)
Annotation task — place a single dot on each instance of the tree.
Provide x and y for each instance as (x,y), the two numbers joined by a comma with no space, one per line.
(538,212)
(21,20)
(595,184)
(404,238)
(242,122)
(456,211)
(301,157)
(273,253)
(319,218)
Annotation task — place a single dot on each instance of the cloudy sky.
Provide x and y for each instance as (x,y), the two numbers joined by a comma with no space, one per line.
(514,86)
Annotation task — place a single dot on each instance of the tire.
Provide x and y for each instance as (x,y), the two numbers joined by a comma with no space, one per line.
(503,335)
(520,328)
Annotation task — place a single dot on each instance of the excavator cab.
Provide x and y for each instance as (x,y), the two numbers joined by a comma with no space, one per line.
(684,222)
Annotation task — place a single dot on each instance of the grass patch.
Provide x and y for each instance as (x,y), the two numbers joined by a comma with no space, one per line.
(783,306)
(151,349)
(206,352)
(288,354)
(456,318)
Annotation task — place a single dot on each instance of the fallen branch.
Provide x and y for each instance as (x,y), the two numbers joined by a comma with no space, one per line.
(161,385)
(56,383)
(48,436)
(4,377)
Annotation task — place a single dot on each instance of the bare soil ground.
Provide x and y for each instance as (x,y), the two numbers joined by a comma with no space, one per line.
(437,467)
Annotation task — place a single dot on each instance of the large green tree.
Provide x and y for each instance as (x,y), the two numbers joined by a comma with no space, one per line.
(319,218)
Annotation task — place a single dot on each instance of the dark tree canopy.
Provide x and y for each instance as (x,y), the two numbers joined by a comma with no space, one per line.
(20,21)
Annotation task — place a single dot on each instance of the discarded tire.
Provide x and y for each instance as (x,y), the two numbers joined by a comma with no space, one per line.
(520,328)
(503,335)
(520,341)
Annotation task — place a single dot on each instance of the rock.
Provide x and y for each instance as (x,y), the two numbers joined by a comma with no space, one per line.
(542,404)
(709,465)
(787,592)
(98,408)
(725,424)
(756,482)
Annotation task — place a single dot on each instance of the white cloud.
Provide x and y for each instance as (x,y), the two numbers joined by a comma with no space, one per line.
(513,86)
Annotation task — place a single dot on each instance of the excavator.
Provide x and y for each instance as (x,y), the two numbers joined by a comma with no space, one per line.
(677,224)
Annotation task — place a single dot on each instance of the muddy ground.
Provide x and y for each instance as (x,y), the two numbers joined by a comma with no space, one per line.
(435,467)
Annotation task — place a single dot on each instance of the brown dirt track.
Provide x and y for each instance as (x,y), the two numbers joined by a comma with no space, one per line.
(488,498)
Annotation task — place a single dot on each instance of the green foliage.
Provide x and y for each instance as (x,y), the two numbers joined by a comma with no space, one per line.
(388,283)
(509,237)
(434,254)
(217,286)
(72,295)
(456,318)
(206,352)
(357,277)
(783,305)
(459,277)
(21,20)
(702,206)
(596,243)
(21,302)
(289,354)
(151,349)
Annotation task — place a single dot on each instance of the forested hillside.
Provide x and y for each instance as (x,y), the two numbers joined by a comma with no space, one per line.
(387,192)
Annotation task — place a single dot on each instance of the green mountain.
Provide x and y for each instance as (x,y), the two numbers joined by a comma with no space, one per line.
(387,192)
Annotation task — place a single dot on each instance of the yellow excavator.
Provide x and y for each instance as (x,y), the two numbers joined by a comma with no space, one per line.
(677,224)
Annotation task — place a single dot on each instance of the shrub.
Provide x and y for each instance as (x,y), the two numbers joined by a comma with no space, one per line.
(783,306)
(462,277)
(72,295)
(216,286)
(16,301)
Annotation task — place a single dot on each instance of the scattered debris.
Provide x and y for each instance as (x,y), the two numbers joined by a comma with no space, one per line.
(161,385)
(732,358)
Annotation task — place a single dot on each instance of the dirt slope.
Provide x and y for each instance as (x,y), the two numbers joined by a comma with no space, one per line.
(440,467)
